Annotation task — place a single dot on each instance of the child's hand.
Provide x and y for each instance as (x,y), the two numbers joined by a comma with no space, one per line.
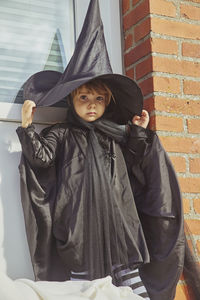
(28,110)
(142,120)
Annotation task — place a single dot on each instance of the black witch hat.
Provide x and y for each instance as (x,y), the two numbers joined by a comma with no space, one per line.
(89,61)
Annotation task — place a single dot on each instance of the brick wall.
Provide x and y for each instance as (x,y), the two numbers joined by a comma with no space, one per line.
(162,53)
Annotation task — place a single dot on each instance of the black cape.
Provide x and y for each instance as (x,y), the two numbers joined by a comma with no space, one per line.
(157,199)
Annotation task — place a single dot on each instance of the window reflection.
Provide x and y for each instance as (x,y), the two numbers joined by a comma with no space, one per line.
(35,35)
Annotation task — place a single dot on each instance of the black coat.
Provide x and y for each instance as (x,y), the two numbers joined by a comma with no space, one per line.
(51,170)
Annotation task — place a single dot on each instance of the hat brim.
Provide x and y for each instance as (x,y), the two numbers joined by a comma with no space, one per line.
(46,88)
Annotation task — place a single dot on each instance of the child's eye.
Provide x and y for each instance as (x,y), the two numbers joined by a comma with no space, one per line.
(100,98)
(83,97)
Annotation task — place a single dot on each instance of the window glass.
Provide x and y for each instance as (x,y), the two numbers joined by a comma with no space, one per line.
(35,35)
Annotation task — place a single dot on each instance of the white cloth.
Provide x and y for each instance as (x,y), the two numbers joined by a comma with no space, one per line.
(100,289)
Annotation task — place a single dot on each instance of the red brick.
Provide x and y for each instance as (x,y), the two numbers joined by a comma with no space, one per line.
(152,124)
(190,185)
(136,14)
(196,146)
(197,207)
(191,50)
(175,105)
(186,206)
(181,144)
(182,293)
(179,163)
(128,41)
(164,46)
(193,125)
(191,243)
(149,104)
(144,68)
(198,247)
(190,12)
(175,28)
(125,6)
(166,84)
(195,165)
(130,73)
(146,86)
(142,30)
(191,87)
(138,52)
(162,7)
(134,2)
(173,66)
(194,226)
(168,123)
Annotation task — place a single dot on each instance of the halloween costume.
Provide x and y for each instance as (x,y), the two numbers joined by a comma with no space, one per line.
(159,209)
(104,193)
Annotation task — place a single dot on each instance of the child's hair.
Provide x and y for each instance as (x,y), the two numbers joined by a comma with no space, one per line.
(96,85)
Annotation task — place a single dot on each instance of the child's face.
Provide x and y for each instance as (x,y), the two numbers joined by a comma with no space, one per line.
(89,104)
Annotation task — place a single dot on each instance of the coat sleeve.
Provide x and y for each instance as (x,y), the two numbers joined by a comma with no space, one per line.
(38,185)
(39,149)
(158,200)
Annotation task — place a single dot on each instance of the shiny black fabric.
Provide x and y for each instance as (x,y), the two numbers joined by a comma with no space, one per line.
(191,271)
(107,235)
(158,199)
(51,176)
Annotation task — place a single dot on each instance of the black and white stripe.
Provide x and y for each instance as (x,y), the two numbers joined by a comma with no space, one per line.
(78,276)
(131,278)
(124,277)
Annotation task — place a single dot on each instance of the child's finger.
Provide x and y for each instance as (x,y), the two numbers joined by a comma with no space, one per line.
(29,104)
(144,113)
(28,110)
(137,119)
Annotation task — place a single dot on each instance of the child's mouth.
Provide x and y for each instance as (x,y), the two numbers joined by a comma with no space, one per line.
(91,113)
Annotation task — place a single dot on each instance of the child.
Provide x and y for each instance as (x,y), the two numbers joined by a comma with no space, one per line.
(96,230)
(87,105)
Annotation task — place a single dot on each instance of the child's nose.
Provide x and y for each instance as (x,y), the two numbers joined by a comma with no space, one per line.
(92,103)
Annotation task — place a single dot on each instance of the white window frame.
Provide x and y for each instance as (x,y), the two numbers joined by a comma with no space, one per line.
(110,13)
